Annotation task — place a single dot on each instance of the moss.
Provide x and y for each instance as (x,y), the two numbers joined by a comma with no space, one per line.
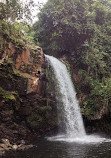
(10,61)
(47,115)
(68,67)
(17,73)
(7,95)
(6,71)
(51,81)
(11,112)
(12,80)
(33,124)
(45,108)
(35,57)
(42,118)
(34,120)
(53,122)
(28,68)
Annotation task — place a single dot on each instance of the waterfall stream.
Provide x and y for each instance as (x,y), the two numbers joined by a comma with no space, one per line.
(72,117)
(74,128)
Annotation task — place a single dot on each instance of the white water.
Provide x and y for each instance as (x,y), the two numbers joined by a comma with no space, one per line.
(72,117)
(74,128)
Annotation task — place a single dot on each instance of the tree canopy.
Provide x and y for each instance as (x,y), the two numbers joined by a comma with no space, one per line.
(15,10)
(15,20)
(80,29)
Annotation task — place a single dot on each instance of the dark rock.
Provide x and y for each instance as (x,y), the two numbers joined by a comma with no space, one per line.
(25,110)
(25,147)
(7,146)
(22,142)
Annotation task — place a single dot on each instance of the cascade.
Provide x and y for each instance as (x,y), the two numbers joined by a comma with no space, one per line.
(72,117)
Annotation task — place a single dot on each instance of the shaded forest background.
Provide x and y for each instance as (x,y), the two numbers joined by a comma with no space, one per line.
(81,30)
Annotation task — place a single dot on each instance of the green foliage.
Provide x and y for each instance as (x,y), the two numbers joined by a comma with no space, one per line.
(42,118)
(15,16)
(11,112)
(12,10)
(7,95)
(45,108)
(9,32)
(63,25)
(80,29)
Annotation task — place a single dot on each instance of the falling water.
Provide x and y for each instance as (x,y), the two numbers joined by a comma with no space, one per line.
(74,128)
(72,117)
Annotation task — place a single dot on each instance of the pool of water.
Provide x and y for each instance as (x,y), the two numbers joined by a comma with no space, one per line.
(59,147)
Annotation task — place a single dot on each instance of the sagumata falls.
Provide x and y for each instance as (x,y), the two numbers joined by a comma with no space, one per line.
(74,128)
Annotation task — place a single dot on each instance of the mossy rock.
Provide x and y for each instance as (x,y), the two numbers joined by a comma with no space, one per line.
(7,95)
(15,81)
(45,108)
(53,122)
(34,120)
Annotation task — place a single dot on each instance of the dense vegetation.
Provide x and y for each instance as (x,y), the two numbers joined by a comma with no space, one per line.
(15,19)
(81,30)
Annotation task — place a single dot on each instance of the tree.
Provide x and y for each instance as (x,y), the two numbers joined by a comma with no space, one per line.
(64,25)
(80,29)
(12,10)
(15,19)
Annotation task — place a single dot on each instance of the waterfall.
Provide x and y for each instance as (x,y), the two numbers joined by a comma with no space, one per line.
(72,117)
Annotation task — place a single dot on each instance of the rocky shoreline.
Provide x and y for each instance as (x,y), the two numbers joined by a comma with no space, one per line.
(6,146)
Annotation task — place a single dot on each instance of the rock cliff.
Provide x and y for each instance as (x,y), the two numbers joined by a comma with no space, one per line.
(24,106)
